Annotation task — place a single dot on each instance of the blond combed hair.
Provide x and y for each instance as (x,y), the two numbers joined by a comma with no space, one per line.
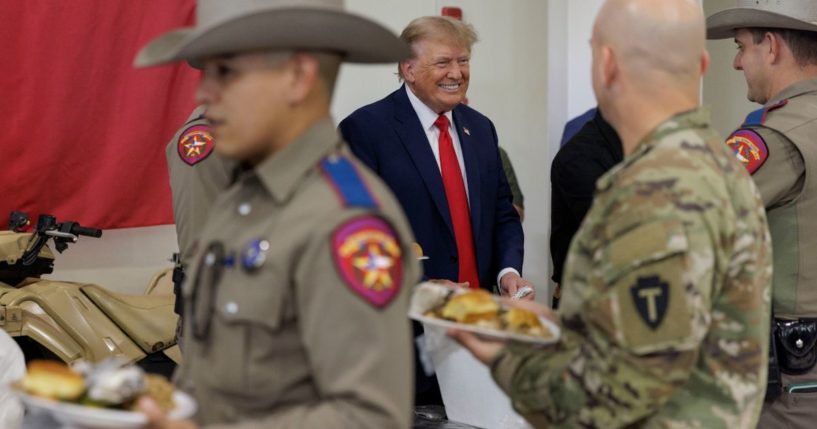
(440,28)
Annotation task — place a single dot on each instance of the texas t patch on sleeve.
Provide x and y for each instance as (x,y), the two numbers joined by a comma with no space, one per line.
(749,148)
(367,256)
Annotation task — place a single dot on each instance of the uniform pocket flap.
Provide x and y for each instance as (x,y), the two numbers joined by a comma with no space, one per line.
(257,304)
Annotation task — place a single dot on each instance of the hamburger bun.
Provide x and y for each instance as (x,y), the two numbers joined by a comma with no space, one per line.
(522,321)
(55,380)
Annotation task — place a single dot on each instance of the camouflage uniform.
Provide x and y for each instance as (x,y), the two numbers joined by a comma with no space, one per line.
(665,314)
(513,183)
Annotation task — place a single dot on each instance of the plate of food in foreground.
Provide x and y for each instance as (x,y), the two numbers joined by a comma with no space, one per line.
(98,396)
(480,312)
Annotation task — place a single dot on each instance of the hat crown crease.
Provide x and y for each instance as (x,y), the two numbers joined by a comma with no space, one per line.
(211,12)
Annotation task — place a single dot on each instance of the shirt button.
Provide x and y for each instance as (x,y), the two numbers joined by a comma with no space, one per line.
(244,209)
(231,307)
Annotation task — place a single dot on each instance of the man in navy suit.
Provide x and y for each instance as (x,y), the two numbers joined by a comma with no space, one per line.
(441,160)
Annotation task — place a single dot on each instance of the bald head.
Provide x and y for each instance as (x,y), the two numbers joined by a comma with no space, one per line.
(654,40)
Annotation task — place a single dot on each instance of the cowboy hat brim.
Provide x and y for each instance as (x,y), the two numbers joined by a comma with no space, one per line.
(357,39)
(722,25)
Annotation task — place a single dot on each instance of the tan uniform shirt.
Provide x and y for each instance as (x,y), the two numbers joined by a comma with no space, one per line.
(788,128)
(197,175)
(298,301)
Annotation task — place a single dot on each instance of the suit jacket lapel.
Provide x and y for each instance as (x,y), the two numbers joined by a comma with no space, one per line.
(414,139)
(472,168)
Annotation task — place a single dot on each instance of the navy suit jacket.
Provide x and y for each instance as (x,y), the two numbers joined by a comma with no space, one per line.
(388,137)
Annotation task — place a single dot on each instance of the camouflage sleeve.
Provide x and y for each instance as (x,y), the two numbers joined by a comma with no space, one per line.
(510,174)
(634,338)
(780,179)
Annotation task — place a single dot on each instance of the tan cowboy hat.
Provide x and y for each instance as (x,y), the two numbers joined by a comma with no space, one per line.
(231,26)
(787,14)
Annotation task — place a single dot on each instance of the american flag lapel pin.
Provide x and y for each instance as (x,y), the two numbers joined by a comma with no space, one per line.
(466,131)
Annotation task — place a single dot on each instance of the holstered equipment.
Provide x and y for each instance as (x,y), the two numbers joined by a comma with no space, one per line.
(796,340)
(774,383)
(178,279)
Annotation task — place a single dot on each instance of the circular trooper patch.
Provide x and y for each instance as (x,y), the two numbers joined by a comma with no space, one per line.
(195,144)
(749,148)
(367,257)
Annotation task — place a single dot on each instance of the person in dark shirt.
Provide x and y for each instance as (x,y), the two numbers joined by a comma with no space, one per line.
(575,125)
(593,151)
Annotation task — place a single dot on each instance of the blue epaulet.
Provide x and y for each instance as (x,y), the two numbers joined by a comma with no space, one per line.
(347,183)
(758,117)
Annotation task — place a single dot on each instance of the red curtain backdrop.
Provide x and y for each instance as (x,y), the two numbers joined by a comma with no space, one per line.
(82,131)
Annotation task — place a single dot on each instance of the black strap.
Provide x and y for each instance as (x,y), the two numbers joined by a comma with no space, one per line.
(178,279)
(774,383)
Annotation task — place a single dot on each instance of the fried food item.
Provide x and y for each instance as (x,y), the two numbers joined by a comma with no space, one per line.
(523,322)
(471,307)
(418,251)
(160,390)
(55,380)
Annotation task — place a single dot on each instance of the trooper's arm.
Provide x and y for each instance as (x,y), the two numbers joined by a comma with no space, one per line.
(781,177)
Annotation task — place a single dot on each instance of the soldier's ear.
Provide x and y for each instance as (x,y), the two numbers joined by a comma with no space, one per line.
(305,75)
(609,67)
(776,47)
(704,62)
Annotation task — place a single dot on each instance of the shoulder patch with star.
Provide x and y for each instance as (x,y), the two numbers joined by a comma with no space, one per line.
(367,256)
(749,147)
(195,144)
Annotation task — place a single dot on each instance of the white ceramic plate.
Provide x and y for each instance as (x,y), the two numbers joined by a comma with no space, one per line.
(429,295)
(79,416)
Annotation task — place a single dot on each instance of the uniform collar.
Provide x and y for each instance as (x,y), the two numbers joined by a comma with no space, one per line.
(691,119)
(281,173)
(793,90)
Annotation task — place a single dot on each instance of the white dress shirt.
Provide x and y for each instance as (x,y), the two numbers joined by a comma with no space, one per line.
(427,118)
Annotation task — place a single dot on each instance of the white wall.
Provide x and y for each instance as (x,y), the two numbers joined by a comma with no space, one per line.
(123,260)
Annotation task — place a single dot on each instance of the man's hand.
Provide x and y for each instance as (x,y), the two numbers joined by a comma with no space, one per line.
(511,282)
(157,419)
(484,350)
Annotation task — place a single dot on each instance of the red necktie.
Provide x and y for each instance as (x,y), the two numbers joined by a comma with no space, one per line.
(457,205)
